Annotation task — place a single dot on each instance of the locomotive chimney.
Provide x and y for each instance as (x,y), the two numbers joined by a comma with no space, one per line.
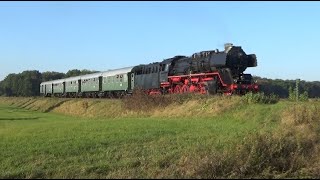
(227,47)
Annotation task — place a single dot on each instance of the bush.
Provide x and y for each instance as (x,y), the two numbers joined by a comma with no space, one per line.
(293,93)
(141,101)
(253,98)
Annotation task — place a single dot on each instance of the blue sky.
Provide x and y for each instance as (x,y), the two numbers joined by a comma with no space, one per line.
(59,36)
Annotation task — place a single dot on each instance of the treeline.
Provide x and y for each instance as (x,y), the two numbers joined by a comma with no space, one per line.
(281,87)
(27,83)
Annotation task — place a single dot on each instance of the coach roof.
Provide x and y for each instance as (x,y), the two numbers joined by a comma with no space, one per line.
(117,71)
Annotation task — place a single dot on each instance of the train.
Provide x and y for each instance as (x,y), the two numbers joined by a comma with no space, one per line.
(205,72)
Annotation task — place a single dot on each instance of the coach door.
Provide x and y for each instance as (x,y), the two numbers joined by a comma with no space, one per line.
(130,81)
(79,85)
(100,83)
(64,87)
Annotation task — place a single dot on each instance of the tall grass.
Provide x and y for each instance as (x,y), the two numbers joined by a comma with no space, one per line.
(290,151)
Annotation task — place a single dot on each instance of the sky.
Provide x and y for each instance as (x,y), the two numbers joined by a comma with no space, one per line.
(60,36)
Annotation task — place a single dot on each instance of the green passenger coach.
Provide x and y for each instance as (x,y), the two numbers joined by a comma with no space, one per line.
(58,87)
(117,80)
(72,86)
(90,84)
(46,88)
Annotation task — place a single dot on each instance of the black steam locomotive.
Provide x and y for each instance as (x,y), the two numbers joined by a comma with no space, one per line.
(206,71)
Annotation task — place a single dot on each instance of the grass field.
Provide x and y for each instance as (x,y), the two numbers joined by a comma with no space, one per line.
(41,139)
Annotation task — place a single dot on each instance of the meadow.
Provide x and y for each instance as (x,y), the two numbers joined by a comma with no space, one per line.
(194,137)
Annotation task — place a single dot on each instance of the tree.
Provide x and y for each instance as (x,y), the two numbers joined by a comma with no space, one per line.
(51,75)
(73,72)
(30,83)
(85,71)
(23,84)
(1,88)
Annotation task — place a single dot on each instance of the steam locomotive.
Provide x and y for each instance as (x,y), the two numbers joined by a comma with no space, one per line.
(206,72)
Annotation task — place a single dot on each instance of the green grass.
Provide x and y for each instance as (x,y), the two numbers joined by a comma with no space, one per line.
(51,145)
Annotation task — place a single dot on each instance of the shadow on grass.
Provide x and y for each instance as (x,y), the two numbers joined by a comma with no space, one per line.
(22,118)
(55,106)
